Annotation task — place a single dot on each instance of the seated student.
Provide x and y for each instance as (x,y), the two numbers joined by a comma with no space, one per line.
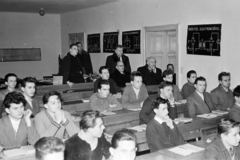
(135,94)
(150,73)
(103,100)
(161,131)
(226,146)
(90,143)
(188,88)
(171,67)
(168,76)
(199,102)
(234,112)
(222,96)
(54,122)
(49,148)
(28,87)
(120,76)
(114,89)
(17,129)
(165,90)
(124,145)
(11,82)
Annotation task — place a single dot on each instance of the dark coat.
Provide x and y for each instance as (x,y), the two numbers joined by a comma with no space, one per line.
(150,78)
(87,63)
(113,59)
(120,79)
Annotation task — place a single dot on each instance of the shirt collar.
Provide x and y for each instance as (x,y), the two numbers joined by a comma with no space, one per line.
(29,99)
(135,89)
(223,89)
(158,120)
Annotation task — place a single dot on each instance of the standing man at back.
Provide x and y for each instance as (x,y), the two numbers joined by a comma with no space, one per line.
(222,96)
(118,56)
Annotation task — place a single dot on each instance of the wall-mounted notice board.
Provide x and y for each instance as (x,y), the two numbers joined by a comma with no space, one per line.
(20,54)
(131,42)
(94,43)
(110,41)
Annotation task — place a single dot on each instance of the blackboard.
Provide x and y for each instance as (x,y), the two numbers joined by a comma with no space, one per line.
(94,43)
(204,39)
(131,42)
(110,41)
(20,54)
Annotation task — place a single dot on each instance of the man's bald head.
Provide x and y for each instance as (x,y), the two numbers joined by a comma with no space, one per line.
(151,62)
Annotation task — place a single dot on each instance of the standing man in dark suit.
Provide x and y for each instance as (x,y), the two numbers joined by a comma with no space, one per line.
(71,67)
(150,73)
(118,56)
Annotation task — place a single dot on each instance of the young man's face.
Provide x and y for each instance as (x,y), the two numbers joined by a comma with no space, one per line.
(97,130)
(201,86)
(119,51)
(166,92)
(192,78)
(120,66)
(105,74)
(104,91)
(29,89)
(126,150)
(15,111)
(12,82)
(54,104)
(226,81)
(162,111)
(54,156)
(168,78)
(231,138)
(73,50)
(137,82)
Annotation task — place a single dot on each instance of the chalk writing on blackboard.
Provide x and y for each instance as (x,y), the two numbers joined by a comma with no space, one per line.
(204,39)
(131,41)
(110,41)
(94,43)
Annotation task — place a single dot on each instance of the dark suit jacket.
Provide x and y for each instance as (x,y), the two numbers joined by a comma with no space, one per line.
(113,59)
(87,63)
(35,108)
(197,106)
(120,79)
(25,135)
(150,78)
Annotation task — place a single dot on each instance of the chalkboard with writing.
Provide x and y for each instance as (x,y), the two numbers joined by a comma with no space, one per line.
(110,41)
(94,43)
(204,39)
(131,42)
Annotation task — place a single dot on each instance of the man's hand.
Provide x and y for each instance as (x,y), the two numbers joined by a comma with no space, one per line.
(70,84)
(112,105)
(58,116)
(27,114)
(171,100)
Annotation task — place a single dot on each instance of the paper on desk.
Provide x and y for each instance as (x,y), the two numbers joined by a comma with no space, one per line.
(85,100)
(24,150)
(207,115)
(186,149)
(107,113)
(137,109)
(139,128)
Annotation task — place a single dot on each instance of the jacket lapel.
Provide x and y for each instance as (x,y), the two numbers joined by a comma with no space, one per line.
(9,131)
(21,132)
(198,98)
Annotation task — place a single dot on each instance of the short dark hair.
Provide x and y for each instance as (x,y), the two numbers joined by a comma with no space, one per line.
(28,80)
(102,68)
(88,119)
(167,72)
(122,135)
(170,65)
(48,145)
(103,82)
(200,79)
(165,84)
(9,75)
(157,102)
(118,46)
(135,74)
(78,43)
(225,125)
(189,73)
(71,45)
(222,74)
(236,91)
(47,95)
(14,97)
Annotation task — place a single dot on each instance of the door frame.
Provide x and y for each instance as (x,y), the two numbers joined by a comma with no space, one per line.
(164,28)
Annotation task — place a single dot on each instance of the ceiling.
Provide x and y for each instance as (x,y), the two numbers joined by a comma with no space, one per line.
(50,6)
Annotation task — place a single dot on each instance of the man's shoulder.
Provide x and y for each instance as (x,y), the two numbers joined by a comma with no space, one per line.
(42,113)
(215,90)
(142,68)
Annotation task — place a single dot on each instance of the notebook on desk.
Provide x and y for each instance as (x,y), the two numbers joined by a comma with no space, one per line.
(186,149)
(24,150)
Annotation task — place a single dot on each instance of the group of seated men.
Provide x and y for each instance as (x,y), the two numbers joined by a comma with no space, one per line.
(87,140)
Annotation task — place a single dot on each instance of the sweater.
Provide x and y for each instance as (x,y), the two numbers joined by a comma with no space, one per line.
(187,90)
(114,89)
(129,98)
(234,113)
(78,149)
(47,127)
(222,99)
(101,104)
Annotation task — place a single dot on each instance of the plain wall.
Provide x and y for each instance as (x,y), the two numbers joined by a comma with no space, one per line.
(127,15)
(28,30)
